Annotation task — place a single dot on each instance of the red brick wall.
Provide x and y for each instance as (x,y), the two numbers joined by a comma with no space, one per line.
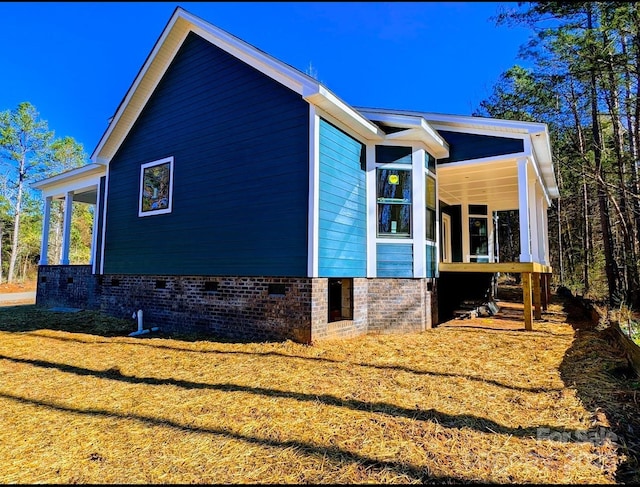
(241,308)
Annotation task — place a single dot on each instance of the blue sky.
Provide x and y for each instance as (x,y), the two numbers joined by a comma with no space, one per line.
(75,61)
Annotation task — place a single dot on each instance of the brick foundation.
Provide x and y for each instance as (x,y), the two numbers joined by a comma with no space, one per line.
(228,307)
(242,308)
(399,305)
(321,328)
(67,285)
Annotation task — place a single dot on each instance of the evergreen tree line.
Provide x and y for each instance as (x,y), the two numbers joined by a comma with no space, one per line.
(584,83)
(29,152)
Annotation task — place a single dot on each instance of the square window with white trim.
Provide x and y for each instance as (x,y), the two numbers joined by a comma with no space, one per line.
(156,187)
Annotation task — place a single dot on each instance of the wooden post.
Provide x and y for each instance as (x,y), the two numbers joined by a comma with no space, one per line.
(537,300)
(526,299)
(544,283)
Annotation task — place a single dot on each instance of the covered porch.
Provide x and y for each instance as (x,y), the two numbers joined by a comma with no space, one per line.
(80,185)
(536,282)
(473,192)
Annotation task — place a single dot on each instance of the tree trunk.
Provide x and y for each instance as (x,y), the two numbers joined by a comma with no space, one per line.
(628,251)
(16,222)
(586,225)
(611,268)
(632,123)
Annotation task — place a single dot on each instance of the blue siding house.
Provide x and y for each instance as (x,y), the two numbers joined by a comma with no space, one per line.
(237,196)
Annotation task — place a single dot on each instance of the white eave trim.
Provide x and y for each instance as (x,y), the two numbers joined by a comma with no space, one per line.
(480,122)
(537,133)
(327,101)
(79,173)
(542,150)
(156,64)
(417,129)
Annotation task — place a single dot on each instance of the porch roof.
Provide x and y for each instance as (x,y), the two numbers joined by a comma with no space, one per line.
(83,181)
(491,179)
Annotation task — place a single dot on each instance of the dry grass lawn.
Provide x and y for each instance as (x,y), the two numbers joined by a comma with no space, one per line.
(473,401)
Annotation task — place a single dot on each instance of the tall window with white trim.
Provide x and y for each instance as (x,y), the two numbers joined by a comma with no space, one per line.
(393,188)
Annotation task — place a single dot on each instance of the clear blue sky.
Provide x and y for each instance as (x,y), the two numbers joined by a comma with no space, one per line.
(75,61)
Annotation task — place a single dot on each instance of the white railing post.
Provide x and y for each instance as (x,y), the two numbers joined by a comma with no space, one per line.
(66,231)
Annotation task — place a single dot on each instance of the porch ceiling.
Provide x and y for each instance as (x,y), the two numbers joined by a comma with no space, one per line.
(492,183)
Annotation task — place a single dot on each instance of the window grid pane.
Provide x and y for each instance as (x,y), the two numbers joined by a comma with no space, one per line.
(394,202)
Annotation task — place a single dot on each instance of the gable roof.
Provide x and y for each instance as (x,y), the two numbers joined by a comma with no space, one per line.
(179,26)
(416,125)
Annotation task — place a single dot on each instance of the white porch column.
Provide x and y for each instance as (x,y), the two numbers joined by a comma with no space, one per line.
(419,213)
(66,228)
(44,243)
(94,235)
(542,236)
(523,209)
(94,230)
(545,232)
(465,231)
(534,211)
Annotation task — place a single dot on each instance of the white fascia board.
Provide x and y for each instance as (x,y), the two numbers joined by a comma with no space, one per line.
(164,51)
(535,137)
(74,177)
(538,170)
(134,93)
(496,123)
(418,129)
(77,186)
(542,153)
(435,144)
(322,98)
(272,67)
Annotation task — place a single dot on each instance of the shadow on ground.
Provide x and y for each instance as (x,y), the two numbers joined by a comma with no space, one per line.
(22,318)
(597,368)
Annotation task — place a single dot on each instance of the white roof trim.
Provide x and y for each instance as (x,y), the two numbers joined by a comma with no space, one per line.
(165,49)
(417,129)
(536,132)
(327,101)
(72,174)
(77,179)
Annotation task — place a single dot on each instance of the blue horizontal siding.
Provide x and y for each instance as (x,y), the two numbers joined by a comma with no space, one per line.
(394,260)
(463,147)
(342,240)
(240,201)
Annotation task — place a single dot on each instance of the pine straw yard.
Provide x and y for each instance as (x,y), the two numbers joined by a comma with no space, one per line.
(468,402)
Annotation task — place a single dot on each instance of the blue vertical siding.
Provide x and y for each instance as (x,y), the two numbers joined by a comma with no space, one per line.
(394,260)
(240,200)
(342,240)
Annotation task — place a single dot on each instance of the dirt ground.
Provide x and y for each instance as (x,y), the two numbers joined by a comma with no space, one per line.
(18,287)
